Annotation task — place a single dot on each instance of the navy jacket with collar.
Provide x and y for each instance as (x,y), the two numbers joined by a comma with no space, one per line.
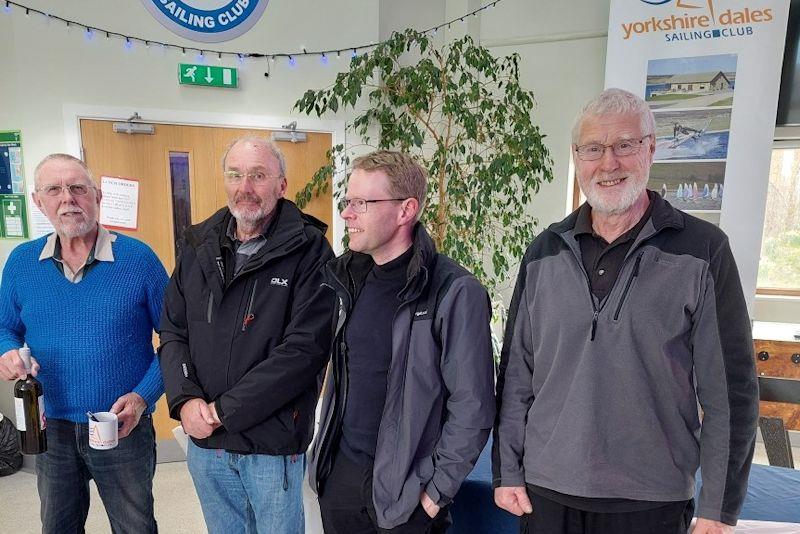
(255,343)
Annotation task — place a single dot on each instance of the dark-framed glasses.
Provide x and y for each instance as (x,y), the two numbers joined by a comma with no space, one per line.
(258,178)
(623,147)
(359,205)
(77,190)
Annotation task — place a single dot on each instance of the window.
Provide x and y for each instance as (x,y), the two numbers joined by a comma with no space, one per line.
(779,266)
(181,198)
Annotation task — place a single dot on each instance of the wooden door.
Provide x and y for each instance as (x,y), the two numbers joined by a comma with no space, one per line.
(146,158)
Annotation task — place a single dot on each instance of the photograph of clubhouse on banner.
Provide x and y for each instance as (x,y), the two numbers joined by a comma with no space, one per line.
(691,99)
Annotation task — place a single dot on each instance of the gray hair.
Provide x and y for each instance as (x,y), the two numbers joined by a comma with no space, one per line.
(615,101)
(257,140)
(61,157)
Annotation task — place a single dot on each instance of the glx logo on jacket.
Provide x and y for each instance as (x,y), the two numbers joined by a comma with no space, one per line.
(283,282)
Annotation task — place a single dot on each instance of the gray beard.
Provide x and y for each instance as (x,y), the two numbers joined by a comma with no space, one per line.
(77,230)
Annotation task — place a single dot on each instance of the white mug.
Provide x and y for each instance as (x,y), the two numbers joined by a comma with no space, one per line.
(103,433)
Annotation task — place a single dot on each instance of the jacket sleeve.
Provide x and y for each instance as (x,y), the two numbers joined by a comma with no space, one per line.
(151,386)
(294,365)
(468,375)
(174,358)
(726,389)
(514,390)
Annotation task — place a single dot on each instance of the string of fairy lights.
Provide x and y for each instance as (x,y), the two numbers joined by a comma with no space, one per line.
(129,42)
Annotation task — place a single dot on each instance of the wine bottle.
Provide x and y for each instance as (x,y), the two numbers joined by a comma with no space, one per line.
(29,404)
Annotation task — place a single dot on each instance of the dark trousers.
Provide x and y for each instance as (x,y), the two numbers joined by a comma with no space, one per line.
(124,478)
(347,508)
(550,517)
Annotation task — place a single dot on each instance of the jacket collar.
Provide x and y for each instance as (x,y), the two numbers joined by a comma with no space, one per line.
(284,234)
(351,268)
(664,215)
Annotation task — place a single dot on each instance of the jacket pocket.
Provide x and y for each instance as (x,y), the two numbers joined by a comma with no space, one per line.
(628,285)
(424,468)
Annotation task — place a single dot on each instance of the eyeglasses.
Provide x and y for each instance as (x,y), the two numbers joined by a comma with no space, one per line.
(359,205)
(258,178)
(78,190)
(623,147)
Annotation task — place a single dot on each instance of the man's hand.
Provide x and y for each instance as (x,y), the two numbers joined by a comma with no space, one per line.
(430,507)
(12,368)
(707,526)
(213,409)
(129,409)
(197,419)
(513,499)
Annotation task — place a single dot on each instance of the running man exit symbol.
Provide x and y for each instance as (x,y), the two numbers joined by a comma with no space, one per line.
(208,76)
(190,72)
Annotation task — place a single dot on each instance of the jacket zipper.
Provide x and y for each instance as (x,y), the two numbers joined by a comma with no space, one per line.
(248,316)
(595,310)
(210,306)
(389,375)
(221,269)
(633,275)
(341,398)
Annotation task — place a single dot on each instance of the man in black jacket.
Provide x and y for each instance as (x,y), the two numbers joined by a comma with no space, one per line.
(409,401)
(245,334)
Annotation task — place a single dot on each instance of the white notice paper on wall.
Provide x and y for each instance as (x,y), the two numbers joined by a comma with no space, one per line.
(40,226)
(119,207)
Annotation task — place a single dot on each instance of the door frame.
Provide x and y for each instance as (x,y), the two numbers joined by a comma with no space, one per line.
(73,113)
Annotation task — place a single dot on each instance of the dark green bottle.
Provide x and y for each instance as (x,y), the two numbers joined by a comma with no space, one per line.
(29,404)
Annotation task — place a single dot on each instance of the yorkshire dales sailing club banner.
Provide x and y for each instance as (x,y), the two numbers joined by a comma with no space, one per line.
(710,71)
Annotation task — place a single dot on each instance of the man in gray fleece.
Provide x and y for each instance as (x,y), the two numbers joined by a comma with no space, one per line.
(626,315)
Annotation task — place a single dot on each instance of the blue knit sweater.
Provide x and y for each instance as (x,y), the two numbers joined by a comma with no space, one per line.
(92,339)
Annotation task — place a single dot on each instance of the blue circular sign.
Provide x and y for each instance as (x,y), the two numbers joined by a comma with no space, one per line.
(656,2)
(207,21)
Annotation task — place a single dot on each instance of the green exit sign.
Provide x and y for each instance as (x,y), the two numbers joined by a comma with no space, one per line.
(207,75)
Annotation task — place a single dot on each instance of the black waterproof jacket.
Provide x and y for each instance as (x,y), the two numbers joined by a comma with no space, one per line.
(255,343)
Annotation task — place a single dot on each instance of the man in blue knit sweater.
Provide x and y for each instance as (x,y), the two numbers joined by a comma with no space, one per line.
(86,302)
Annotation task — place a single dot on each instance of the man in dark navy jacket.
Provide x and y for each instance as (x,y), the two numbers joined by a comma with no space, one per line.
(245,334)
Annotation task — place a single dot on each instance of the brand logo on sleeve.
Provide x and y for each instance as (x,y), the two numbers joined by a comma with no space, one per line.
(283,282)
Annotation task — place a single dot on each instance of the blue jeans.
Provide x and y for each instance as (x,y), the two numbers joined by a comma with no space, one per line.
(248,493)
(124,478)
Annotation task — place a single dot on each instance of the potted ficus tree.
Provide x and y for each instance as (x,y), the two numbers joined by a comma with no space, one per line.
(462,113)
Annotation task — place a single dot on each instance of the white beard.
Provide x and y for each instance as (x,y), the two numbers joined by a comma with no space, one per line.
(621,202)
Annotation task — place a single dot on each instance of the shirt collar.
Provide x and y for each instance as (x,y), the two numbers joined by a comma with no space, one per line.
(101,250)
(583,224)
(231,233)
